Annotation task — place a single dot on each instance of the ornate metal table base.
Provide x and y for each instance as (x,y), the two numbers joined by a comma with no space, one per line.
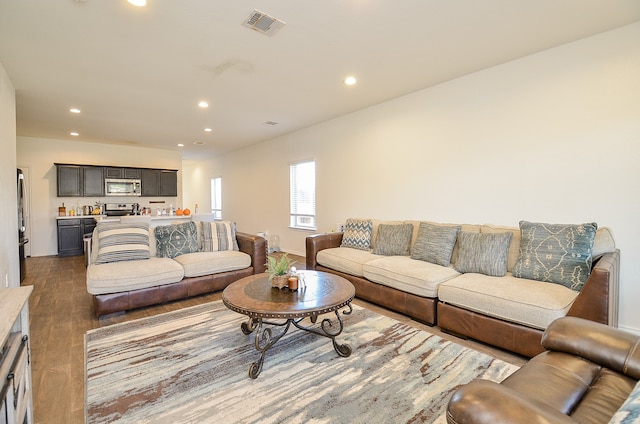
(265,337)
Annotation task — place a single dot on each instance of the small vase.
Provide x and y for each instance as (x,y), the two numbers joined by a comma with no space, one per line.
(280,281)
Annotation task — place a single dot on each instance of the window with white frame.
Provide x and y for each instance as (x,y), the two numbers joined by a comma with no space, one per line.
(302,188)
(216,197)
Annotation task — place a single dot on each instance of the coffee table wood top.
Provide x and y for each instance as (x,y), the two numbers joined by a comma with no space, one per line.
(323,292)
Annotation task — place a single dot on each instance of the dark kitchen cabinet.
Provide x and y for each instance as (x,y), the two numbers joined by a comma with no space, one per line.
(168,183)
(78,181)
(70,235)
(159,183)
(93,181)
(69,180)
(150,179)
(127,173)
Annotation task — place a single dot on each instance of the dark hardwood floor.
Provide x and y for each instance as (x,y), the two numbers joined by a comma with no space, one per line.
(61,313)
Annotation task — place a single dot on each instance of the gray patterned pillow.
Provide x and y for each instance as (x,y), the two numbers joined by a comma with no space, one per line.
(218,236)
(177,239)
(393,240)
(122,242)
(357,234)
(435,243)
(556,253)
(483,253)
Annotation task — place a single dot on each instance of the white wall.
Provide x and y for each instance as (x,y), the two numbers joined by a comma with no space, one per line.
(9,263)
(40,155)
(552,137)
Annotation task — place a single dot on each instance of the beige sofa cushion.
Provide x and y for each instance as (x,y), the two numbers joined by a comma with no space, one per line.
(408,275)
(528,302)
(345,259)
(116,277)
(205,263)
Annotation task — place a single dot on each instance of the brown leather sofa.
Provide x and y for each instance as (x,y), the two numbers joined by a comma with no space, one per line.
(596,302)
(254,246)
(586,374)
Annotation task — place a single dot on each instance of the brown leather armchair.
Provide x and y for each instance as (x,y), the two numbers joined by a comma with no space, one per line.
(587,372)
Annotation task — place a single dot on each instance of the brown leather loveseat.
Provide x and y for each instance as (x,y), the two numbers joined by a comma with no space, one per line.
(586,374)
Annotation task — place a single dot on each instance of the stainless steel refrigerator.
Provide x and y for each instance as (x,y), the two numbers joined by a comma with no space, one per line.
(22,225)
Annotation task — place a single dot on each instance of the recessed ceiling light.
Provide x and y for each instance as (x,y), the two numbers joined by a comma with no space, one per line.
(198,143)
(180,145)
(203,104)
(138,3)
(73,133)
(74,110)
(351,80)
(208,129)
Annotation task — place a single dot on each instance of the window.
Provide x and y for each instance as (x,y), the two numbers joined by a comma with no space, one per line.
(216,197)
(303,195)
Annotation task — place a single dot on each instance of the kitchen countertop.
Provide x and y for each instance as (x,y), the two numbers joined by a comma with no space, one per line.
(117,218)
(81,216)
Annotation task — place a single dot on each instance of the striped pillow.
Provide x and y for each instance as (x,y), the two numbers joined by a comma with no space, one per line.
(217,236)
(357,234)
(122,242)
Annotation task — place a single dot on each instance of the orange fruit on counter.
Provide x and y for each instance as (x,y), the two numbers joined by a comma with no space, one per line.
(186,211)
(179,212)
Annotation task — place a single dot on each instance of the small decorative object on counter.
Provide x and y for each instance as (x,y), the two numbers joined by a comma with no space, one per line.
(62,211)
(278,270)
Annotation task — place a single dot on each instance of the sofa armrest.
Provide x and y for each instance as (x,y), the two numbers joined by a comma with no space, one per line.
(598,299)
(254,246)
(318,242)
(606,346)
(486,402)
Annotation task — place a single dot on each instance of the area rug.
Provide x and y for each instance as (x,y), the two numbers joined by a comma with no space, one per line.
(191,366)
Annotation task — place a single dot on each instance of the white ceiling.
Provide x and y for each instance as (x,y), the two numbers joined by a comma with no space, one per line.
(138,73)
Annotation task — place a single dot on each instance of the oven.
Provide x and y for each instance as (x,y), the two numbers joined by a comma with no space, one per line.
(14,371)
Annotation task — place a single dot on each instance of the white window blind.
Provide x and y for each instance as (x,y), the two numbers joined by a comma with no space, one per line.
(303,195)
(216,197)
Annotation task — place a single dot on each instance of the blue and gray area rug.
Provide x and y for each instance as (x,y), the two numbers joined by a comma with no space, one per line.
(191,366)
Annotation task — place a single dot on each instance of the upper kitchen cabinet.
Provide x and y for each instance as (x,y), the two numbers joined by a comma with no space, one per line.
(126,173)
(93,181)
(168,183)
(78,181)
(159,183)
(69,180)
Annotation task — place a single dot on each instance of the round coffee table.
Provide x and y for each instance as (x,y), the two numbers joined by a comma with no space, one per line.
(320,293)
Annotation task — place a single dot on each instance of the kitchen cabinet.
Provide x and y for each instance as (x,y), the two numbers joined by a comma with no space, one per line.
(79,181)
(92,181)
(168,183)
(69,180)
(88,180)
(70,233)
(150,179)
(127,173)
(159,183)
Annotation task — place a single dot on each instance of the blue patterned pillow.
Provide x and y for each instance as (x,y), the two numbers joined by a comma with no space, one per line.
(177,239)
(357,234)
(556,253)
(122,241)
(629,412)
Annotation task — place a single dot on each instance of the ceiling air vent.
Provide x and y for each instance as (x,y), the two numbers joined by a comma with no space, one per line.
(263,23)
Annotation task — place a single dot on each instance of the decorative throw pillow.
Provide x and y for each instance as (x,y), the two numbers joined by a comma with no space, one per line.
(556,253)
(357,234)
(628,413)
(218,236)
(122,241)
(435,243)
(176,239)
(483,253)
(393,240)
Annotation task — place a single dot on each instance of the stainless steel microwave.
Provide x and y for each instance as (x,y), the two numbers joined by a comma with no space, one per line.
(122,187)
